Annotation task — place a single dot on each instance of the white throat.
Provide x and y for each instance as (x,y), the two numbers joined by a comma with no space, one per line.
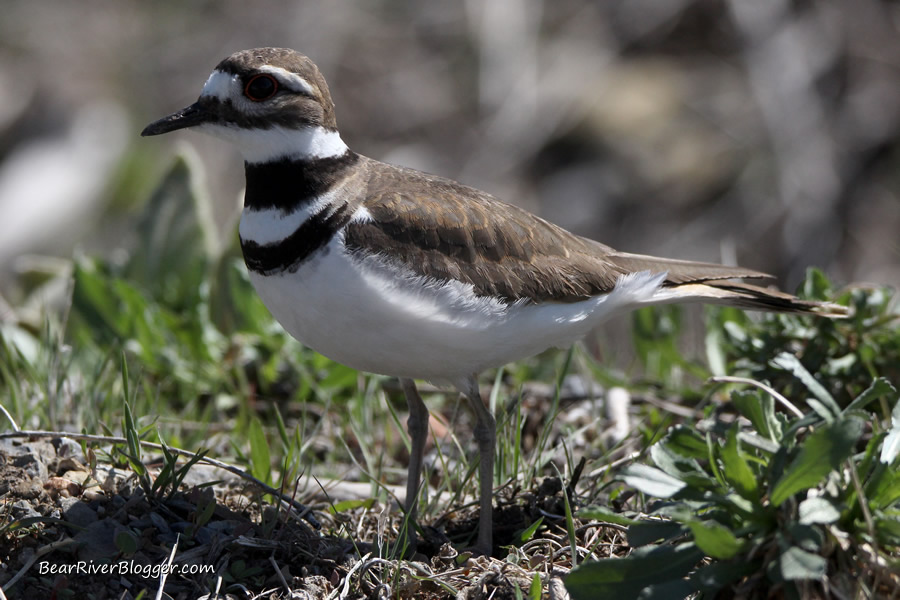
(275,143)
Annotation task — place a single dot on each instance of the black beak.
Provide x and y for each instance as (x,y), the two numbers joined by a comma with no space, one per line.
(193,115)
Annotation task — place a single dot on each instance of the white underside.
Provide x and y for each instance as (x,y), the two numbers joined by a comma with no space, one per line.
(374,317)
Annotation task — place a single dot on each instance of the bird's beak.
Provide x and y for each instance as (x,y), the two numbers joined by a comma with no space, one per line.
(191,116)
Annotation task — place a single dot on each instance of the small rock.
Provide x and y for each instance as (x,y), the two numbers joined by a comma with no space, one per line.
(62,486)
(31,463)
(66,447)
(98,541)
(80,514)
(28,489)
(159,522)
(41,449)
(204,535)
(93,494)
(66,464)
(21,509)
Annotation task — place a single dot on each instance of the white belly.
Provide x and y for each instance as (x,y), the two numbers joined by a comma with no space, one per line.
(373,317)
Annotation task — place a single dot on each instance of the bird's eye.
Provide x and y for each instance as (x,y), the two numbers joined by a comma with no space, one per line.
(261,87)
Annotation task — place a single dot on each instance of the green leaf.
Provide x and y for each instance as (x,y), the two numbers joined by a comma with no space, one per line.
(715,539)
(715,576)
(791,363)
(883,487)
(684,469)
(260,458)
(736,470)
(648,532)
(816,284)
(880,387)
(818,510)
(759,409)
(345,505)
(339,377)
(206,513)
(604,514)
(686,442)
(528,533)
(798,564)
(133,441)
(125,542)
(808,537)
(624,578)
(822,452)
(177,236)
(534,593)
(570,529)
(652,481)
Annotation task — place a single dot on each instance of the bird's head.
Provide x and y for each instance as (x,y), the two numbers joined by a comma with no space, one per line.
(270,102)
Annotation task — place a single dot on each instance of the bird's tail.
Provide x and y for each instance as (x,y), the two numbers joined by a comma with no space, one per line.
(747,296)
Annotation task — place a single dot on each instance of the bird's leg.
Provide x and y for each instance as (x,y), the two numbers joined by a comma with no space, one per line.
(486,438)
(417,424)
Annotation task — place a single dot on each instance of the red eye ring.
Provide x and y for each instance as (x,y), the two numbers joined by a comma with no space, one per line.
(261,87)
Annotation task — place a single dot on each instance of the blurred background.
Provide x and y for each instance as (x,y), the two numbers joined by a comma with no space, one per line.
(763,132)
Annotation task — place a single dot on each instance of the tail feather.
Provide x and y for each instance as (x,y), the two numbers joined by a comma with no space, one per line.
(680,272)
(748,296)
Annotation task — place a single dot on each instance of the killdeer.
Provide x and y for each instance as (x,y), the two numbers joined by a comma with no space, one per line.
(398,272)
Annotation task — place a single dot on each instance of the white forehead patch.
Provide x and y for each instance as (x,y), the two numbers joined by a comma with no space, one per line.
(220,85)
(291,80)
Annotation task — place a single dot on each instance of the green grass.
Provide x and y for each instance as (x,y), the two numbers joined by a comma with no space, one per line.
(784,482)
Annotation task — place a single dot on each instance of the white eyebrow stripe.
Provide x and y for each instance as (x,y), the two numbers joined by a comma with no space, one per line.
(293,81)
(220,85)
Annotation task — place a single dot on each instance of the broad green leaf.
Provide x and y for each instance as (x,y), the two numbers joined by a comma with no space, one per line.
(682,468)
(686,442)
(808,537)
(649,532)
(652,481)
(94,303)
(880,387)
(125,542)
(883,488)
(759,409)
(623,578)
(715,539)
(674,588)
(798,564)
(818,510)
(177,236)
(816,284)
(822,452)
(339,377)
(791,363)
(715,576)
(758,442)
(735,469)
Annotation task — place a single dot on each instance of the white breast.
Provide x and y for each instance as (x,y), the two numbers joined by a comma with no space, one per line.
(372,316)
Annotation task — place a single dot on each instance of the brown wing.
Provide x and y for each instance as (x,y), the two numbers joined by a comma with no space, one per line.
(444,230)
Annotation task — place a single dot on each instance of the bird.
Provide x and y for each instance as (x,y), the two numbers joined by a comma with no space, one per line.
(397,272)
